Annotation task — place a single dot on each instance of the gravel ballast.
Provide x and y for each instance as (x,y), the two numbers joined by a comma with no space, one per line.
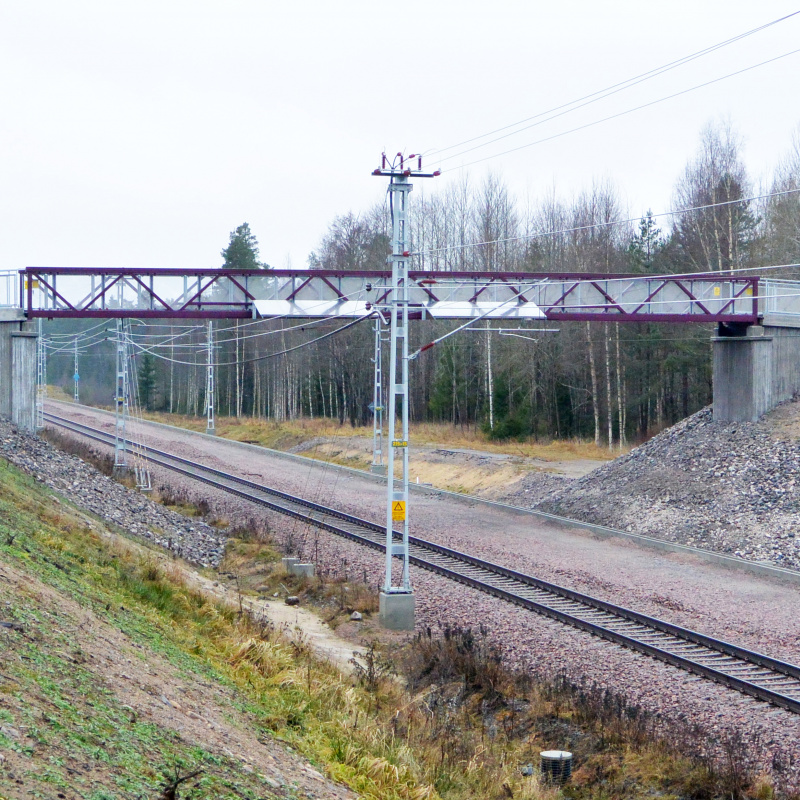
(748,610)
(99,494)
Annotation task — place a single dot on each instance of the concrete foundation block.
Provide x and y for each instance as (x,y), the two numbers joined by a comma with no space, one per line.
(378,469)
(743,372)
(397,611)
(302,570)
(23,380)
(289,562)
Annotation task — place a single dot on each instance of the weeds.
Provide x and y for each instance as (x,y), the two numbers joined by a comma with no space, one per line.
(376,668)
(103,462)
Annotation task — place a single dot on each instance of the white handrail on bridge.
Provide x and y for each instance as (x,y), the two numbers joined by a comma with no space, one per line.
(9,289)
(780,296)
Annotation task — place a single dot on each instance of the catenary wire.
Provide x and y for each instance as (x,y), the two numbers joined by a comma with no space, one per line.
(618,114)
(610,223)
(266,356)
(614,88)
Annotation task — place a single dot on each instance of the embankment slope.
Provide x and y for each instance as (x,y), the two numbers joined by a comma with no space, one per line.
(729,487)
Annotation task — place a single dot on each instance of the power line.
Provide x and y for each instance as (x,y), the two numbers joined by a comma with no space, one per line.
(617,115)
(311,323)
(76,333)
(610,90)
(608,224)
(143,349)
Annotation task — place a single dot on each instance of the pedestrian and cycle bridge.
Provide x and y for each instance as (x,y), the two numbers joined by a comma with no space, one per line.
(756,349)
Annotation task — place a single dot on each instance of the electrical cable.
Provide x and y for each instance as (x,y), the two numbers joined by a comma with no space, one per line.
(513,299)
(264,357)
(76,333)
(610,223)
(618,114)
(613,89)
(71,346)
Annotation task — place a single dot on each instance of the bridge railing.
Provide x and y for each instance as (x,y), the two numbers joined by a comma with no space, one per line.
(208,293)
(9,289)
(780,297)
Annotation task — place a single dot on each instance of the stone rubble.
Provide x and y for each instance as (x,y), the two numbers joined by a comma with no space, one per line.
(731,488)
(98,494)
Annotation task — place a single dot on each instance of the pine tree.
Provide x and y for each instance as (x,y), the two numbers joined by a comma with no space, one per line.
(646,244)
(242,250)
(147,381)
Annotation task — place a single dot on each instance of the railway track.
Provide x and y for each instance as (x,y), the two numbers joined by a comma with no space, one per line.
(752,673)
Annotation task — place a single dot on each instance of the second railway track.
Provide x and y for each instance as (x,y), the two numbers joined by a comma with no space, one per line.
(752,673)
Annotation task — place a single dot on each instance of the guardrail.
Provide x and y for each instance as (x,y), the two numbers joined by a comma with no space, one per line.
(780,297)
(9,289)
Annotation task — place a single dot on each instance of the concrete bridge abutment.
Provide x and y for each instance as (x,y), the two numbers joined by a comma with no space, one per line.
(755,368)
(18,369)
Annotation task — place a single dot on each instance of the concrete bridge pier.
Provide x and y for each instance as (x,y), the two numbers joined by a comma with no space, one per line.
(756,367)
(18,369)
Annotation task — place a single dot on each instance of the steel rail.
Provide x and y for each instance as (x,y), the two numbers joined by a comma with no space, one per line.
(753,673)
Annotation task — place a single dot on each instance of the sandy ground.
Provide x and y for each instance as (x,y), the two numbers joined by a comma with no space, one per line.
(295,620)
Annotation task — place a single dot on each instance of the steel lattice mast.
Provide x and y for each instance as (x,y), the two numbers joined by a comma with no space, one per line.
(210,423)
(41,377)
(76,377)
(377,403)
(397,601)
(121,400)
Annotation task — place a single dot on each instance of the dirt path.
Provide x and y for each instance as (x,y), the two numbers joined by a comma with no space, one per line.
(297,621)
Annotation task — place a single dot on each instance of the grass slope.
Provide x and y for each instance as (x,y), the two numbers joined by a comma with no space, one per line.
(90,614)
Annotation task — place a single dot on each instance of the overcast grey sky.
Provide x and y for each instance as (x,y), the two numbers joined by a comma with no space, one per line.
(140,134)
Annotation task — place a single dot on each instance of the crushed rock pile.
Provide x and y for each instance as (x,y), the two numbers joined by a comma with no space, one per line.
(94,492)
(728,487)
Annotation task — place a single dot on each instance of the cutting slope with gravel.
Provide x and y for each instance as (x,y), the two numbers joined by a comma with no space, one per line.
(729,487)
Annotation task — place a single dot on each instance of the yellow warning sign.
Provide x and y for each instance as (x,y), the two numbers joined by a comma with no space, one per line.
(399,443)
(398,510)
(716,291)
(34,284)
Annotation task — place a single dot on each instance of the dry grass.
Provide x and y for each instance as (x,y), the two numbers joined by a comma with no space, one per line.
(60,394)
(289,434)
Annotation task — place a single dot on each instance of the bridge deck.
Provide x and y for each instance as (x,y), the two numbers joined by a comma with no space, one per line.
(213,293)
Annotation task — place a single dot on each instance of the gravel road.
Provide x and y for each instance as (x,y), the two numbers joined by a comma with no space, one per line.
(751,611)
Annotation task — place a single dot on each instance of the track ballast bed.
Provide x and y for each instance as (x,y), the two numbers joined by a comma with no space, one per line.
(752,673)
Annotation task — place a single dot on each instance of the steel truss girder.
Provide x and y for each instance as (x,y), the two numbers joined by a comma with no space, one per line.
(215,294)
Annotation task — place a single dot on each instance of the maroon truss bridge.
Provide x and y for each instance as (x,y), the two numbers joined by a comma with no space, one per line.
(57,292)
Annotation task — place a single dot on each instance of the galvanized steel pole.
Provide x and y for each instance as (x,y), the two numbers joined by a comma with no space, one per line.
(397,496)
(377,403)
(210,422)
(121,400)
(76,377)
(397,601)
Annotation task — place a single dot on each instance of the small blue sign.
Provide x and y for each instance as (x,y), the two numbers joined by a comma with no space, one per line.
(76,377)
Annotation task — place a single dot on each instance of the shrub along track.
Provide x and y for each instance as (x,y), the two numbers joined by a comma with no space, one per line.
(752,673)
